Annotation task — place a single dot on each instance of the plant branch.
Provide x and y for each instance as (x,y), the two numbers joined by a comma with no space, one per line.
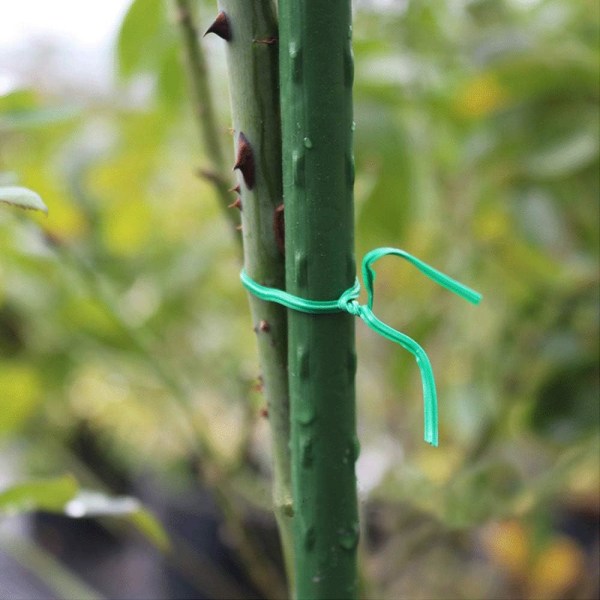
(254,91)
(203,109)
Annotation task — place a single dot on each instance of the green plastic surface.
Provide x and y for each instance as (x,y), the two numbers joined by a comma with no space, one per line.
(316,71)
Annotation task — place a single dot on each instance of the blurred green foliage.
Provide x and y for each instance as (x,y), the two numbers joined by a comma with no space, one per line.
(477,150)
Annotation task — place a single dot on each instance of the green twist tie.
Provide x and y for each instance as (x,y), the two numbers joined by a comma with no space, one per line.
(347,303)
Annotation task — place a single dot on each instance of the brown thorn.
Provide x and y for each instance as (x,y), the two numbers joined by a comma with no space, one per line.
(245,161)
(264,412)
(239,227)
(235,189)
(237,203)
(263,326)
(220,27)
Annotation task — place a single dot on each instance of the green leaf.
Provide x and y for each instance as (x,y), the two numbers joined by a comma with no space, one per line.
(22,197)
(38,117)
(23,109)
(171,86)
(62,495)
(566,156)
(150,526)
(142,36)
(18,100)
(21,394)
(44,494)
(89,503)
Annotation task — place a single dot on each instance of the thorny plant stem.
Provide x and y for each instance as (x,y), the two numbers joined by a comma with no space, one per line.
(249,28)
(203,109)
(253,67)
(209,132)
(316,105)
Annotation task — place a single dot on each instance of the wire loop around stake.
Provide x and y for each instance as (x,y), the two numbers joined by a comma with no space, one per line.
(347,303)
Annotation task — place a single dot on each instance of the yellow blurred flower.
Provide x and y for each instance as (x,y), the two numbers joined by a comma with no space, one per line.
(480,96)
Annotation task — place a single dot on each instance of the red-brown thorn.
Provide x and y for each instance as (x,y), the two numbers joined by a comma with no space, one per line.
(220,27)
(244,161)
(263,326)
(237,203)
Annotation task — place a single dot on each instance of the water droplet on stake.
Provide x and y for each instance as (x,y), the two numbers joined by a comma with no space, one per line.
(348,538)
(305,413)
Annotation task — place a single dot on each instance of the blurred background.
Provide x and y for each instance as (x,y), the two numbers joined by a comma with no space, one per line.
(125,334)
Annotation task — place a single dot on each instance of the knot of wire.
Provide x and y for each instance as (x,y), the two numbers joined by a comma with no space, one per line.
(347,302)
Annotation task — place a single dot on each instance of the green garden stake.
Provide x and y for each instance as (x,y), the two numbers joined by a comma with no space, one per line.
(316,73)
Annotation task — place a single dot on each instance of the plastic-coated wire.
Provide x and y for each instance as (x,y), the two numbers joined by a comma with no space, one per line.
(347,302)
